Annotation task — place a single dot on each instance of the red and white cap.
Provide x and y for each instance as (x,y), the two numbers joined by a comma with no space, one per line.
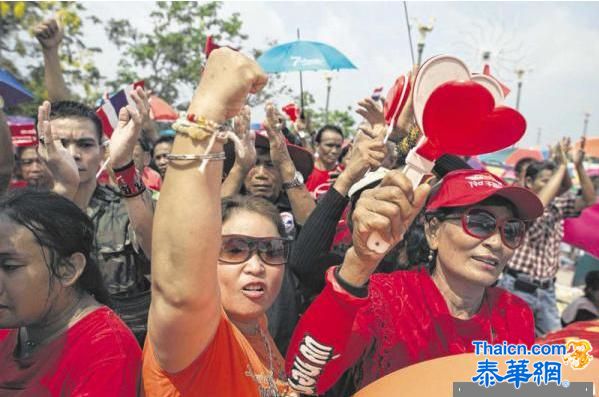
(462,188)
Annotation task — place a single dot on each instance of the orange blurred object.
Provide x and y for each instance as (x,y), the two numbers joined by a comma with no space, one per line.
(161,111)
(591,147)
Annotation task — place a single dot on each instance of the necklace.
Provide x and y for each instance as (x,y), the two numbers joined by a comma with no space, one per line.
(268,349)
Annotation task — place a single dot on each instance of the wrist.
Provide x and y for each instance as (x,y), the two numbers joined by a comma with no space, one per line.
(120,163)
(342,184)
(354,270)
(287,171)
(239,169)
(205,107)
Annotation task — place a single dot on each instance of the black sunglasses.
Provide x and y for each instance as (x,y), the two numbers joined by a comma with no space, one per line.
(481,224)
(238,249)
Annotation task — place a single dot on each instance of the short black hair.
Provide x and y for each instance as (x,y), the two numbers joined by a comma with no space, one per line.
(145,144)
(164,138)
(524,161)
(328,127)
(592,282)
(65,109)
(536,167)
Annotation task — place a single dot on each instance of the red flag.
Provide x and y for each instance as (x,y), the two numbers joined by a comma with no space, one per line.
(487,72)
(292,111)
(210,46)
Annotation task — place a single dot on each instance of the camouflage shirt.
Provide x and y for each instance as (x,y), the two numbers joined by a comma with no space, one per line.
(121,261)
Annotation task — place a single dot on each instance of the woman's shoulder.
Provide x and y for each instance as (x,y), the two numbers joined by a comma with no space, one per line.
(502,298)
(103,333)
(405,278)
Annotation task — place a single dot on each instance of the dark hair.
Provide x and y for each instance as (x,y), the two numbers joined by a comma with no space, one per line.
(327,127)
(71,109)
(163,139)
(259,205)
(59,225)
(524,161)
(592,283)
(447,163)
(145,144)
(536,167)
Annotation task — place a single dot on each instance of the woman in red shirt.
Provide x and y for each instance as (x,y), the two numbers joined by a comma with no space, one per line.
(380,323)
(56,336)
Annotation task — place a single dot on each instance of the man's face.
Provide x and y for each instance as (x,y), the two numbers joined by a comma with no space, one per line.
(33,170)
(80,138)
(264,180)
(537,184)
(329,148)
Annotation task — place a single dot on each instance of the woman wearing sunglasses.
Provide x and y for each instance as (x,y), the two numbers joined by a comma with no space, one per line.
(383,322)
(216,267)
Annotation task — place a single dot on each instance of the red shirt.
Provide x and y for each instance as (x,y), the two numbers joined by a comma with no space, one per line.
(98,356)
(320,181)
(403,320)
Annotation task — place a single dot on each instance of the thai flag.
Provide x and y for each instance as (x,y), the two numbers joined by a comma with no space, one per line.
(109,111)
(376,94)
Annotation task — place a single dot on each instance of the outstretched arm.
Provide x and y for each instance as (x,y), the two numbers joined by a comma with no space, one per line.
(186,306)
(50,34)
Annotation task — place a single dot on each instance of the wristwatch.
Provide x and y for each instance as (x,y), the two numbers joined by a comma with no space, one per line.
(298,180)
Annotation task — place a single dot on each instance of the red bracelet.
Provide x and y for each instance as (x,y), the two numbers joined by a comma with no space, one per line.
(129,181)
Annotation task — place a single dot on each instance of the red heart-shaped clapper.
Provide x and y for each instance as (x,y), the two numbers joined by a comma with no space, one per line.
(460,118)
(396,100)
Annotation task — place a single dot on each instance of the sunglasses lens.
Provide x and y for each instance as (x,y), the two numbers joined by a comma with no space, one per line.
(273,252)
(513,232)
(234,250)
(481,223)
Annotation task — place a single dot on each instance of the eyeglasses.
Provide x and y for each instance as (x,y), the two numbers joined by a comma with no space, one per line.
(482,224)
(237,249)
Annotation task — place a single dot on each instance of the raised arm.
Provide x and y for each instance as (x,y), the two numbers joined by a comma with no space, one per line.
(316,237)
(50,34)
(186,305)
(300,199)
(328,340)
(589,196)
(551,189)
(7,158)
(245,154)
(122,144)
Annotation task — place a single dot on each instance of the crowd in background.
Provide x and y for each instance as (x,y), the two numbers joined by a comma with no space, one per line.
(193,263)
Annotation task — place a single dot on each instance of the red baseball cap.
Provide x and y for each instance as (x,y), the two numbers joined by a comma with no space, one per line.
(467,187)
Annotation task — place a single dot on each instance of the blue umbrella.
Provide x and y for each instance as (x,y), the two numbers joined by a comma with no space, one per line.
(11,90)
(302,56)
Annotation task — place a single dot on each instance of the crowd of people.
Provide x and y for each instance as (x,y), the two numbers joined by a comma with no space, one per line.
(224,261)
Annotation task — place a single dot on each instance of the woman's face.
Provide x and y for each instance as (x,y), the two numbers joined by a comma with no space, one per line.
(26,297)
(248,289)
(329,147)
(467,258)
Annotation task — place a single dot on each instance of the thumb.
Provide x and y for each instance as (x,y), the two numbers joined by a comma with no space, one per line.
(124,116)
(420,195)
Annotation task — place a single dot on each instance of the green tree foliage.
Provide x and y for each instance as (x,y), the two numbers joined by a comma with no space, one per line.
(169,57)
(20,53)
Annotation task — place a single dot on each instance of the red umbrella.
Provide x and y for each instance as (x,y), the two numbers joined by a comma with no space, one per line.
(161,111)
(520,153)
(591,147)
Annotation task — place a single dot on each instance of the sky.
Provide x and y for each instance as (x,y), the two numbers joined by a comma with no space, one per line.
(556,43)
